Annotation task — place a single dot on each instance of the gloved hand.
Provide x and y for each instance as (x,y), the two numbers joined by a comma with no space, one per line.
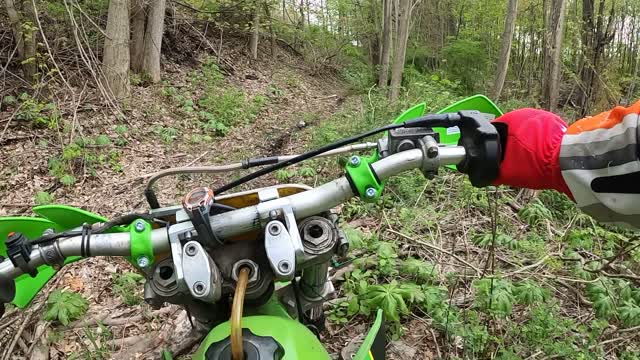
(531,141)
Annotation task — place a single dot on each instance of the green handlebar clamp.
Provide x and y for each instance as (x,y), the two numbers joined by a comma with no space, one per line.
(141,246)
(363,179)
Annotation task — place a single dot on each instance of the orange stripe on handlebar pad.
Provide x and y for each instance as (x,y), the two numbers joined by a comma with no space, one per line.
(605,120)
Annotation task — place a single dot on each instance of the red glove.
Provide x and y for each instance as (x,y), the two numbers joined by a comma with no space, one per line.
(531,150)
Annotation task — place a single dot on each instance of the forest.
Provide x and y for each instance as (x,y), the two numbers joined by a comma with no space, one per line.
(97,97)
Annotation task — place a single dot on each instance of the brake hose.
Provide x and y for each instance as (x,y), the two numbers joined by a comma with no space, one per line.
(444,120)
(237,351)
(303,157)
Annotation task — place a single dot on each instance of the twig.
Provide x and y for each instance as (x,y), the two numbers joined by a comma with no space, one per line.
(534,355)
(198,158)
(74,120)
(77,6)
(6,126)
(435,342)
(478,271)
(27,319)
(7,324)
(537,263)
(128,341)
(117,321)
(46,44)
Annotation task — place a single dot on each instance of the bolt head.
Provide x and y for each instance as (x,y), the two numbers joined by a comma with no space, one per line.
(199,288)
(274,229)
(371,193)
(191,250)
(432,152)
(354,161)
(284,267)
(143,261)
(140,226)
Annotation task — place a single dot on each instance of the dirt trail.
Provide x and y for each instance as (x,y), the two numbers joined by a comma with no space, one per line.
(24,170)
(300,97)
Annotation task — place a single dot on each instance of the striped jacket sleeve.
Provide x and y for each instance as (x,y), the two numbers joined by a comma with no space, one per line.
(599,162)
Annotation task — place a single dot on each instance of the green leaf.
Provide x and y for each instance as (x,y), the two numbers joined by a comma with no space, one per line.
(386,250)
(43,198)
(630,314)
(604,307)
(67,180)
(420,270)
(103,140)
(353,307)
(528,293)
(65,306)
(63,316)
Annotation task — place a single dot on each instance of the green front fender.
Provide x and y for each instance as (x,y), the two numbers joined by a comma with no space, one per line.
(57,217)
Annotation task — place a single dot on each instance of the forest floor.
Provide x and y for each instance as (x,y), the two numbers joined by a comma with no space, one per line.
(156,133)
(479,273)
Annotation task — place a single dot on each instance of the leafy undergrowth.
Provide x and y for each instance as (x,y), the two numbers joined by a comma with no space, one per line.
(459,272)
(493,273)
(531,287)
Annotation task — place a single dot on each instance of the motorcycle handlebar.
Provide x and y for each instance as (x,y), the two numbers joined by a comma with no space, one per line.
(236,222)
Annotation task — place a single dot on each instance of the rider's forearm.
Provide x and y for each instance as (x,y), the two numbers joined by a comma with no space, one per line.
(599,163)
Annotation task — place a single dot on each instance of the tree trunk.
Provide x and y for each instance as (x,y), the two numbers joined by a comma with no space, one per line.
(115,61)
(301,22)
(29,61)
(373,36)
(401,49)
(153,40)
(634,80)
(383,78)
(14,21)
(136,47)
(255,34)
(272,34)
(505,50)
(553,41)
(596,35)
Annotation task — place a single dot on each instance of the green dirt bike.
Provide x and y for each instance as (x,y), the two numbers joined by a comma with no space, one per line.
(265,253)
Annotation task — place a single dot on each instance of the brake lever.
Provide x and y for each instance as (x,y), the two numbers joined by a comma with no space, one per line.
(479,137)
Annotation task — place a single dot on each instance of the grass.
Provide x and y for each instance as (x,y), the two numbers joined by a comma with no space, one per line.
(510,310)
(214,104)
(85,157)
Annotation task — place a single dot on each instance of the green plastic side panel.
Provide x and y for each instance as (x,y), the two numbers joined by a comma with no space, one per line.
(298,342)
(477,102)
(57,217)
(364,352)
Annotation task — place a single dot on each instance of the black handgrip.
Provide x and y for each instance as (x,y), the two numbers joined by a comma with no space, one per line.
(482,146)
